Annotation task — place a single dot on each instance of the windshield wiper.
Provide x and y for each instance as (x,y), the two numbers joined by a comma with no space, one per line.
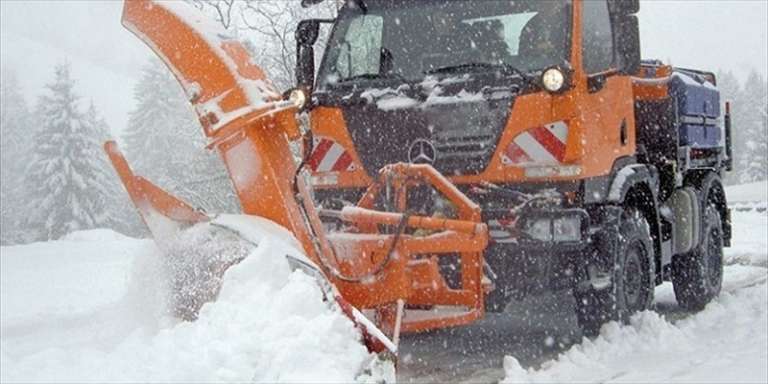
(504,67)
(374,76)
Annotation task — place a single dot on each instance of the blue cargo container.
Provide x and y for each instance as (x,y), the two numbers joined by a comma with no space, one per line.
(698,109)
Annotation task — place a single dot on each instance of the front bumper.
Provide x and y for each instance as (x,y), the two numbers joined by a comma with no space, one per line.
(528,261)
(551,229)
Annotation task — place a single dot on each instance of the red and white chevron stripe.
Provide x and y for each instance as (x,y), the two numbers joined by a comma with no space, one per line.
(328,156)
(540,145)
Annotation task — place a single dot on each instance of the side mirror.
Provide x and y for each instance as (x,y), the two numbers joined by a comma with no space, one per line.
(306,35)
(305,66)
(307,32)
(624,7)
(627,43)
(309,3)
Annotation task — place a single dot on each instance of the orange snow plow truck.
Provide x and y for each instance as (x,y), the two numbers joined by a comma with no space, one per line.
(447,157)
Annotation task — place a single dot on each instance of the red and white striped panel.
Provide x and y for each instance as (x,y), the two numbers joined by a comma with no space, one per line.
(329,156)
(540,145)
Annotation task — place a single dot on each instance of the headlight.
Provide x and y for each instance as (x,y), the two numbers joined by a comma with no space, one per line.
(298,97)
(553,79)
(563,229)
(540,229)
(567,229)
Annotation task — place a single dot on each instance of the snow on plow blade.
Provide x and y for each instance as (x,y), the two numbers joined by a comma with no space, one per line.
(197,252)
(249,125)
(393,274)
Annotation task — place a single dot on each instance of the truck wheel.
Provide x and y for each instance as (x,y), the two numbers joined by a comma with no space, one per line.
(698,275)
(633,279)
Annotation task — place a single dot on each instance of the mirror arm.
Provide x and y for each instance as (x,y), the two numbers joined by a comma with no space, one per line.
(305,66)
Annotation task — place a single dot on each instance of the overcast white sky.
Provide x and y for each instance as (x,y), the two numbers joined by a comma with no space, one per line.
(105,58)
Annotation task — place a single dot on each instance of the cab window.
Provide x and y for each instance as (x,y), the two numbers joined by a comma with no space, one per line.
(407,40)
(597,36)
(359,51)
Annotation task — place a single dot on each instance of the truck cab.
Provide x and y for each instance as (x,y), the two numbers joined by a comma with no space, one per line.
(589,164)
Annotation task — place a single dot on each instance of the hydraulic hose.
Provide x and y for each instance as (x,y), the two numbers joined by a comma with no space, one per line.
(309,146)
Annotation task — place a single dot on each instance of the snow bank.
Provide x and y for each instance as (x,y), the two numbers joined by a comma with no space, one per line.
(268,325)
(95,235)
(750,238)
(85,270)
(747,193)
(727,342)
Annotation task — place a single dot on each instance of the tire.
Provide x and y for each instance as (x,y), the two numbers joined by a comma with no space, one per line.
(697,276)
(633,279)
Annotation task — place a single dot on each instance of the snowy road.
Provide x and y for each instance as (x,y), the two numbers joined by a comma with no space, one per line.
(82,309)
(725,342)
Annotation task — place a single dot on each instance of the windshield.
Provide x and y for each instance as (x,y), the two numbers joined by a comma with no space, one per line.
(408,40)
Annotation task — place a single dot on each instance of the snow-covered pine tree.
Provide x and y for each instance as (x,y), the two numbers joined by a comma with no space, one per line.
(753,164)
(66,182)
(164,142)
(156,144)
(118,211)
(16,132)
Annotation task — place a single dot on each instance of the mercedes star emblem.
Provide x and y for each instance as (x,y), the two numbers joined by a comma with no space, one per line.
(421,151)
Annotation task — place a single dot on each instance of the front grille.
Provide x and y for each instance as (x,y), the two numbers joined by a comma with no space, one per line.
(464,153)
(464,133)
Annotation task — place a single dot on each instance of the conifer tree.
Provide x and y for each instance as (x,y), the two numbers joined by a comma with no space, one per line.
(730,91)
(66,183)
(16,131)
(118,212)
(753,164)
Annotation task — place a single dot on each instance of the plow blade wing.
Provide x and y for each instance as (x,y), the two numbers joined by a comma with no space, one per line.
(248,123)
(163,213)
(197,252)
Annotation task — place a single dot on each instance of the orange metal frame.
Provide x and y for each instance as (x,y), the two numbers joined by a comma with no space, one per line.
(413,275)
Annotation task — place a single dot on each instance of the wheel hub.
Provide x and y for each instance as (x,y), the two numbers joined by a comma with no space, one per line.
(633,277)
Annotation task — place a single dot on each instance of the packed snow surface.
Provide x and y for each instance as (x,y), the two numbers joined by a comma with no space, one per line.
(90,308)
(725,342)
(752,192)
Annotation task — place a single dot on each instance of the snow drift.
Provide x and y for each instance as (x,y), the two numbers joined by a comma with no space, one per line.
(269,324)
(726,342)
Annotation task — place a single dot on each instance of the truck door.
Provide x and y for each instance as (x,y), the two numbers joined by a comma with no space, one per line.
(609,113)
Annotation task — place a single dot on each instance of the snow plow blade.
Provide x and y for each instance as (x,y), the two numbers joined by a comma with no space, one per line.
(198,251)
(387,264)
(163,213)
